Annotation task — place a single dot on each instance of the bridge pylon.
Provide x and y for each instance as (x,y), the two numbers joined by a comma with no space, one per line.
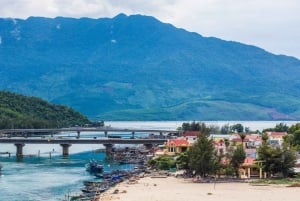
(108,148)
(65,149)
(19,152)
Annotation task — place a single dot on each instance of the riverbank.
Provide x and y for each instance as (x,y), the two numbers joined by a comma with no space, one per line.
(178,189)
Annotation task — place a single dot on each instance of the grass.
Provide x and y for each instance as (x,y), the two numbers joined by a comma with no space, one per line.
(279,181)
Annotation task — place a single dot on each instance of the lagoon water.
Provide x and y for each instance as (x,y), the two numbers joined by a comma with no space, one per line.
(52,179)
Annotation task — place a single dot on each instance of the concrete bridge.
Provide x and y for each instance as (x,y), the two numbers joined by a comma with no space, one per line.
(20,137)
(78,130)
(66,143)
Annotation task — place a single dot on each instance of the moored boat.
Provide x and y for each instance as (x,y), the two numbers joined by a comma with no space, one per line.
(94,167)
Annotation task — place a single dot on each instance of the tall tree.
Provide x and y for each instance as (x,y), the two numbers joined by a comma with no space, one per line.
(202,157)
(237,158)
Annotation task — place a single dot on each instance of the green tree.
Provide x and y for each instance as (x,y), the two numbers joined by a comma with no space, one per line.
(237,158)
(276,159)
(294,128)
(237,128)
(225,129)
(202,157)
(288,161)
(281,127)
(182,161)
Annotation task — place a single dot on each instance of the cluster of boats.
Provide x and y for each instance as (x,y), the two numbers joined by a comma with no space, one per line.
(93,189)
(131,156)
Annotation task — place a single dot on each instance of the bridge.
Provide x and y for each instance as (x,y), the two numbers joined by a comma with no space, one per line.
(7,136)
(78,130)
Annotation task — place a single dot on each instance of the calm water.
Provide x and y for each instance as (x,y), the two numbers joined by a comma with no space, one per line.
(42,178)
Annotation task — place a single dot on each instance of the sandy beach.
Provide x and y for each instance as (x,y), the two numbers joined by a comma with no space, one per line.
(179,189)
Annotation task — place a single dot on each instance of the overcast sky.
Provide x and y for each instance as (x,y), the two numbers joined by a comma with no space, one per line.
(273,25)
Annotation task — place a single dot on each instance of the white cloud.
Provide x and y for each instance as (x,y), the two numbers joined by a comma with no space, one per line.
(272,25)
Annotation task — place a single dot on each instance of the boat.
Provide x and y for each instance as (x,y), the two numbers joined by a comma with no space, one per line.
(94,167)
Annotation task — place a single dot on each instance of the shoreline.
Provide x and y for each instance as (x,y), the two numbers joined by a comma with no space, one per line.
(179,189)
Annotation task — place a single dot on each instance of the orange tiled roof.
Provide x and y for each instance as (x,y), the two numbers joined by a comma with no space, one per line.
(249,161)
(177,142)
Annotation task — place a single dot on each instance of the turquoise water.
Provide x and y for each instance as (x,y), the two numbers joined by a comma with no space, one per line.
(36,179)
(42,178)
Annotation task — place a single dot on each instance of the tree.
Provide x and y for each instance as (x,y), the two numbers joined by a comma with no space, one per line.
(242,136)
(237,128)
(182,161)
(288,161)
(202,157)
(237,158)
(281,127)
(294,131)
(276,159)
(227,142)
(294,128)
(225,129)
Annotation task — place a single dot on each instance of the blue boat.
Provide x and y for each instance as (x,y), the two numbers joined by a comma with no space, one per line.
(94,167)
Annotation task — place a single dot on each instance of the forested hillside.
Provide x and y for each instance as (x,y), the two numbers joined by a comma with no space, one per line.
(138,68)
(18,111)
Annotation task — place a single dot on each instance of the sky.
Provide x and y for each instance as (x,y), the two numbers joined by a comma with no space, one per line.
(273,25)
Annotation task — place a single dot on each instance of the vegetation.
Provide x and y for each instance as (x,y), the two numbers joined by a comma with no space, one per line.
(163,163)
(18,111)
(145,70)
(236,157)
(202,158)
(281,127)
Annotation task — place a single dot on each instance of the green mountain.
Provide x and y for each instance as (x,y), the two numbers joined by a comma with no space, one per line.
(138,68)
(18,111)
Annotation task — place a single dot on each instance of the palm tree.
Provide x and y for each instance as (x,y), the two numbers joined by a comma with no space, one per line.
(242,136)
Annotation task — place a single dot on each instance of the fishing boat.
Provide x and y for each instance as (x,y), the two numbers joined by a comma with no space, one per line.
(94,167)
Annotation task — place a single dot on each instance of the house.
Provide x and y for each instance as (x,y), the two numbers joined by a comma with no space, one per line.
(250,140)
(253,141)
(276,138)
(251,168)
(220,146)
(191,136)
(176,146)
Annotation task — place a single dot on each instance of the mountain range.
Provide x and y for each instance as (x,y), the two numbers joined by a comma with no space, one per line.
(139,68)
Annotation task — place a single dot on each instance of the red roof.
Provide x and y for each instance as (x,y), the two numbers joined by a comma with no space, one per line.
(276,134)
(253,137)
(177,142)
(191,133)
(237,138)
(249,161)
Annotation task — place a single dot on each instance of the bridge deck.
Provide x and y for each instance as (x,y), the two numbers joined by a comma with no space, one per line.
(80,141)
(80,129)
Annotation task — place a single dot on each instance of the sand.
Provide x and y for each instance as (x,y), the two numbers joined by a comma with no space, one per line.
(179,189)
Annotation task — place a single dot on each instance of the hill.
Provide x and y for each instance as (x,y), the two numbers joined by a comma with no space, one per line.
(18,111)
(138,68)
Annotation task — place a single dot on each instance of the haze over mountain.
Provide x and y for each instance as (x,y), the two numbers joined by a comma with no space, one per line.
(138,68)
